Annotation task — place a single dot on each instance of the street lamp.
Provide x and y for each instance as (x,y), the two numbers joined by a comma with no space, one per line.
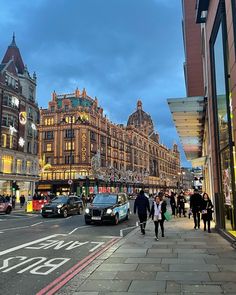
(72,120)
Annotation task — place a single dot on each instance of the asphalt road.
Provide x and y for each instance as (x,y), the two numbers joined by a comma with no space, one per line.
(35,251)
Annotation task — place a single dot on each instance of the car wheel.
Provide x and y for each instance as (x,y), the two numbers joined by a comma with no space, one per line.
(44,216)
(127,216)
(87,222)
(65,213)
(8,211)
(116,219)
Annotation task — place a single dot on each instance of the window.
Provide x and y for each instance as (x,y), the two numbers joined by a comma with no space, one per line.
(52,109)
(28,167)
(18,166)
(29,147)
(70,146)
(7,164)
(48,147)
(49,121)
(223,114)
(4,140)
(67,159)
(69,133)
(48,135)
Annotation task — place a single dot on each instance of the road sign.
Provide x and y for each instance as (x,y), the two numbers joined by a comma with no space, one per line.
(70,181)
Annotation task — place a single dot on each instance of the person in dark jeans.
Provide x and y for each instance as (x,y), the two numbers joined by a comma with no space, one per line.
(173,203)
(158,214)
(196,205)
(181,204)
(207,208)
(142,206)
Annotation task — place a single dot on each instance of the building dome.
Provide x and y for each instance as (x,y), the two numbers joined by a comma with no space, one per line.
(140,119)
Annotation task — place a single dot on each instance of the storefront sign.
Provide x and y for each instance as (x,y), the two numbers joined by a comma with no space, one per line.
(84,147)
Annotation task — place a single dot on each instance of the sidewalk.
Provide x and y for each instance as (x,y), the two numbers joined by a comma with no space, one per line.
(186,261)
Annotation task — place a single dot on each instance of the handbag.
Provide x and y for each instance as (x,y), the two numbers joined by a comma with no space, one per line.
(204,211)
(168,215)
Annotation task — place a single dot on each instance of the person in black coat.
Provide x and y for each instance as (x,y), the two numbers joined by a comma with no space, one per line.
(158,214)
(207,207)
(181,204)
(195,206)
(141,204)
(173,203)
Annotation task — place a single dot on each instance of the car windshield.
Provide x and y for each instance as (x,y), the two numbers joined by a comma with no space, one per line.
(105,199)
(60,199)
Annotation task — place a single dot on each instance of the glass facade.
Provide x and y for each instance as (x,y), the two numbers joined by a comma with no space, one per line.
(223,122)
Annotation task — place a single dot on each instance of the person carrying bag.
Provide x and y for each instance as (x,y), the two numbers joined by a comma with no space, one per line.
(157,214)
(207,209)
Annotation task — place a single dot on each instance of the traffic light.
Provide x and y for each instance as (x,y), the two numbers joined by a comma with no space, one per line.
(15,186)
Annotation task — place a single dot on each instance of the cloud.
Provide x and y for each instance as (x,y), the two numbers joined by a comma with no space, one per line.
(119,50)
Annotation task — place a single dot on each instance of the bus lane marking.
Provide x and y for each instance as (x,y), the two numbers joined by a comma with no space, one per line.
(28,244)
(37,265)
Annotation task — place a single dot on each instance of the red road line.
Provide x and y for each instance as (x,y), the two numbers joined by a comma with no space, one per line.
(69,274)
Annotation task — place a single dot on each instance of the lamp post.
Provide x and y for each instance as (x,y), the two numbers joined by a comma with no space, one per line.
(181,178)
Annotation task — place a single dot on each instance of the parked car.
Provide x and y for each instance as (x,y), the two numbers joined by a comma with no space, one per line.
(62,206)
(108,208)
(5,206)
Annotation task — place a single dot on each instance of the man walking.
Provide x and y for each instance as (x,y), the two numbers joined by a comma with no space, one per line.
(142,205)
(195,205)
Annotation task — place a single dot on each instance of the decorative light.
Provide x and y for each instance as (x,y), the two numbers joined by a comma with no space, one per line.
(21,141)
(33,126)
(23,118)
(12,129)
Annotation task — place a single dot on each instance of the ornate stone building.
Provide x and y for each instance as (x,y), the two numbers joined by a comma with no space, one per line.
(81,150)
(19,115)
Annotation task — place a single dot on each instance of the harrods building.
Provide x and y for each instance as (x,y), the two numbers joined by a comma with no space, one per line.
(82,151)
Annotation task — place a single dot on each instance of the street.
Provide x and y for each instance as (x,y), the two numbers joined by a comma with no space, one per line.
(35,251)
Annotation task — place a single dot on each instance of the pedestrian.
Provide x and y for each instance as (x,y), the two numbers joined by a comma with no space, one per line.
(141,205)
(13,201)
(195,206)
(181,204)
(22,201)
(158,214)
(8,198)
(173,203)
(207,208)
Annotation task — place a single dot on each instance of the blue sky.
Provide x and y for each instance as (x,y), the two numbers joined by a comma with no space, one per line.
(119,50)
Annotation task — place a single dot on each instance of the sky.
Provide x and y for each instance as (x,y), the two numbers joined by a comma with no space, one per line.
(119,50)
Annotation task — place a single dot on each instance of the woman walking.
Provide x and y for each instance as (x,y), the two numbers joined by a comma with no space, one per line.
(157,214)
(207,207)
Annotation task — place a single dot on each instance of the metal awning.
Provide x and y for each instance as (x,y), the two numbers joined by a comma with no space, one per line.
(189,117)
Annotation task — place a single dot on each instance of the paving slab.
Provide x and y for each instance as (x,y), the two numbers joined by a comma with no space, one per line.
(128,255)
(163,255)
(152,267)
(136,275)
(147,286)
(126,250)
(182,276)
(173,286)
(103,275)
(183,261)
(157,250)
(223,276)
(229,287)
(194,267)
(190,251)
(118,267)
(197,288)
(227,267)
(143,260)
(105,285)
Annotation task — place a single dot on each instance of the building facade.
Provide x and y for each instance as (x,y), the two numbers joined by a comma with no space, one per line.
(216,21)
(19,115)
(81,150)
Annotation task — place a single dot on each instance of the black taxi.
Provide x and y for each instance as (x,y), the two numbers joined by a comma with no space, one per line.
(111,207)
